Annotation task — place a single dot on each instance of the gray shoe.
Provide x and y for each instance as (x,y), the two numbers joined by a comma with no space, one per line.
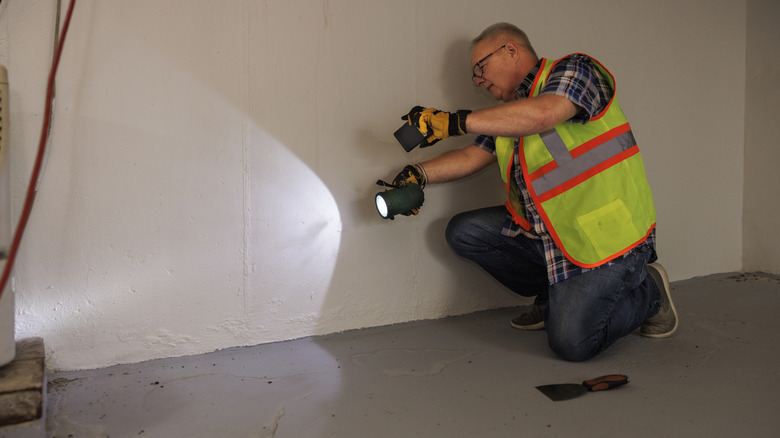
(530,319)
(664,323)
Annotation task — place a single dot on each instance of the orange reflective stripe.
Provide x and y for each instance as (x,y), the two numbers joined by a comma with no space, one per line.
(512,205)
(547,168)
(537,80)
(516,218)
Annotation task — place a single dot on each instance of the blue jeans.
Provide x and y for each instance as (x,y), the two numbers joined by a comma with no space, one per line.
(584,314)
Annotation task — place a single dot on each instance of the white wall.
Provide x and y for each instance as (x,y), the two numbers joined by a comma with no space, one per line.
(762,138)
(211,175)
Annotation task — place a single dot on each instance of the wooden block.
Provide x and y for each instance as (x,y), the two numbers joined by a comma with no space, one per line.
(22,384)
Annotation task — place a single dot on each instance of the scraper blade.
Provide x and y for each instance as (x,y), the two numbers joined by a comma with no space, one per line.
(567,391)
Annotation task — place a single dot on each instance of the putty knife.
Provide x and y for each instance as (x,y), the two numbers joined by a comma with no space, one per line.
(566,391)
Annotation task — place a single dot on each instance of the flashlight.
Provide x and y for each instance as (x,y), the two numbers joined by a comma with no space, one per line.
(398,200)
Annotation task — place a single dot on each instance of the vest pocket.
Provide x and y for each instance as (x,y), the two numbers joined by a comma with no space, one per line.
(607,228)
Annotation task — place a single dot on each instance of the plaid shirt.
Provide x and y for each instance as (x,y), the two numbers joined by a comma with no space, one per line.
(576,78)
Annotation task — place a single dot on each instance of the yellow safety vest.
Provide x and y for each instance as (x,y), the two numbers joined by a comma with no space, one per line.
(587,182)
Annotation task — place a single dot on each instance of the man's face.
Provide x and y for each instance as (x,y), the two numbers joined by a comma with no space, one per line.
(492,69)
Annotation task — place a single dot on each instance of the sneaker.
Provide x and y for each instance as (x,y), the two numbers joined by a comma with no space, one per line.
(664,323)
(530,319)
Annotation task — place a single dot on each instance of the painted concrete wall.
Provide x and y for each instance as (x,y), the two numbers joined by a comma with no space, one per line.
(762,138)
(210,180)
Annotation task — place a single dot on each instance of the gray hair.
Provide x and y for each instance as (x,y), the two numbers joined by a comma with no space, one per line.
(506,30)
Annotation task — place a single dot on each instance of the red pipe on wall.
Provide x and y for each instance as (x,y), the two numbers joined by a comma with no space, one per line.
(31,189)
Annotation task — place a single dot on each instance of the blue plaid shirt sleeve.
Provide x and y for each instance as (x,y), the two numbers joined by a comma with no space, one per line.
(486,143)
(579,80)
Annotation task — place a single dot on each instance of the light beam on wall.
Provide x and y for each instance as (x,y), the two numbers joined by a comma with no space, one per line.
(296,229)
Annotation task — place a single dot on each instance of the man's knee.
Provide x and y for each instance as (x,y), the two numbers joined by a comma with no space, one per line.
(456,231)
(569,339)
(571,349)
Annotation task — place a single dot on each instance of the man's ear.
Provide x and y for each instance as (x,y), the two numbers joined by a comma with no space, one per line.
(513,49)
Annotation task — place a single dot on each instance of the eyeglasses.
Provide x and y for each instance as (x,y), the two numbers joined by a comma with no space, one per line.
(479,67)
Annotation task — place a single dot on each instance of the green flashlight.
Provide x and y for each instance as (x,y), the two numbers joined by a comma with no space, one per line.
(398,200)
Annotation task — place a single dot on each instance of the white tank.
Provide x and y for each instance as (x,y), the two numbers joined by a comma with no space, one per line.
(7,341)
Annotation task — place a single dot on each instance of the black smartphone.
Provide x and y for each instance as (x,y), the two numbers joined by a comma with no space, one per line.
(409,137)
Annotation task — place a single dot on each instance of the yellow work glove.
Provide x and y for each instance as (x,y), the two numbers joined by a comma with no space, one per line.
(437,125)
(411,174)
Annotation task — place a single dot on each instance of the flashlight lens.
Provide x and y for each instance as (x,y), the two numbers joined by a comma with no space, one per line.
(381,205)
(402,200)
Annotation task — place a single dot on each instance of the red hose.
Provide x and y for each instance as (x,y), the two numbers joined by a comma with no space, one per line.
(28,202)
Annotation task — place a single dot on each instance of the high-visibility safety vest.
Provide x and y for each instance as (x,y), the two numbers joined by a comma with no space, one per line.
(587,182)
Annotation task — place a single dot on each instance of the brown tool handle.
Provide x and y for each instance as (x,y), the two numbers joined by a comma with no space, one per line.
(605,382)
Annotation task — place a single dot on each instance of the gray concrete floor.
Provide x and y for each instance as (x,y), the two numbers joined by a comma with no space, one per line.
(468,376)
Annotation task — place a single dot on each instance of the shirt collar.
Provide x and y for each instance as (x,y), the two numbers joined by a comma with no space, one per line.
(524,90)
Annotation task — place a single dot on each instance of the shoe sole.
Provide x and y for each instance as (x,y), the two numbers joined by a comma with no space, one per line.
(661,279)
(537,326)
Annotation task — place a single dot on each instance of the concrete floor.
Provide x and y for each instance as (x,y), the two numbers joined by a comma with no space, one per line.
(468,376)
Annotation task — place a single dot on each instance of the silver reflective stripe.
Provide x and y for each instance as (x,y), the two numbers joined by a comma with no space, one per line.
(572,167)
(557,148)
